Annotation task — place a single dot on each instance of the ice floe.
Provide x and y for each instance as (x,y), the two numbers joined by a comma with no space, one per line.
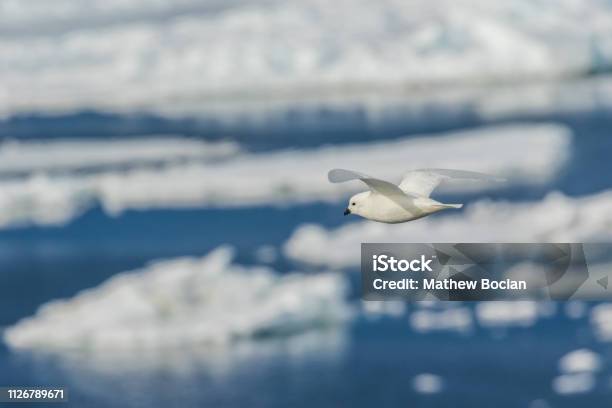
(506,314)
(573,383)
(577,370)
(18,156)
(376,309)
(279,177)
(601,320)
(185,52)
(182,302)
(556,218)
(427,383)
(454,319)
(581,360)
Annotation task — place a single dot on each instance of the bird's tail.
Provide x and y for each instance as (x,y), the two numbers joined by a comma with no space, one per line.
(441,206)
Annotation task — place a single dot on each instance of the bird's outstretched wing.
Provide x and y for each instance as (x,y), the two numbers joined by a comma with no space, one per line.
(376,185)
(423,182)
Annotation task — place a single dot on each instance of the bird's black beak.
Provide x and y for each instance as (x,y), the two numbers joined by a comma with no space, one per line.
(347,211)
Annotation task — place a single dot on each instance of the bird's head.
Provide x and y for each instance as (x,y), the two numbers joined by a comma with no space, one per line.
(356,204)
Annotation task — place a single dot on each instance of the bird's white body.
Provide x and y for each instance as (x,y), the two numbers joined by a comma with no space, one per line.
(381,208)
(392,204)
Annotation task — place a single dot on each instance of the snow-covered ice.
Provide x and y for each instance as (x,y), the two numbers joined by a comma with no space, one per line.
(23,156)
(183,302)
(219,176)
(581,360)
(192,51)
(427,383)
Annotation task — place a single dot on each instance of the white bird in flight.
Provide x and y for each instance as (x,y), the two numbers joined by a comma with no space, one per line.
(392,204)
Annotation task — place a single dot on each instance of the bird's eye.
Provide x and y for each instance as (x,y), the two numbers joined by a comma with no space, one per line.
(352,203)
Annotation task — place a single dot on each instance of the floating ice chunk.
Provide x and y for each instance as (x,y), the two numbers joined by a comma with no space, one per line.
(457,319)
(506,314)
(427,304)
(556,218)
(581,360)
(427,383)
(278,48)
(37,200)
(258,179)
(49,155)
(601,320)
(185,301)
(394,308)
(573,383)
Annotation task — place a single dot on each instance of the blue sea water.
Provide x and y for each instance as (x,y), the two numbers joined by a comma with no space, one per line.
(372,362)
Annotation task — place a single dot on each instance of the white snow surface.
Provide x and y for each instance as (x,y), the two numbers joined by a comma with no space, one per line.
(581,360)
(136,55)
(23,156)
(185,302)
